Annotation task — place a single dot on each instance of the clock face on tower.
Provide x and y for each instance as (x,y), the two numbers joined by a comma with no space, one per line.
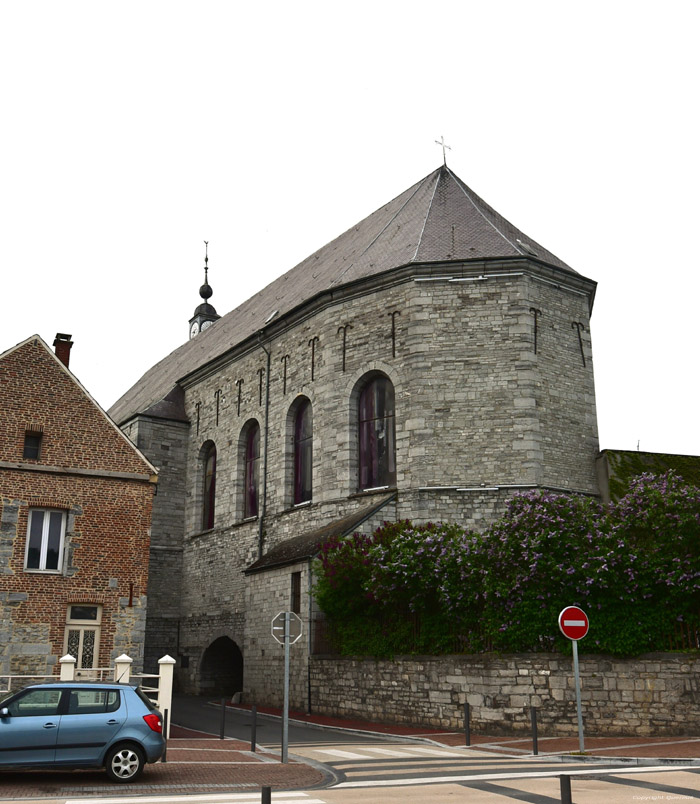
(206,325)
(194,329)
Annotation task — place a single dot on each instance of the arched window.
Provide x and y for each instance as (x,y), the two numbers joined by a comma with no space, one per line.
(252,470)
(209,490)
(303,453)
(376,436)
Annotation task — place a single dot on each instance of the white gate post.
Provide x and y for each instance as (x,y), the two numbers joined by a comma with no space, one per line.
(122,668)
(165,687)
(67,663)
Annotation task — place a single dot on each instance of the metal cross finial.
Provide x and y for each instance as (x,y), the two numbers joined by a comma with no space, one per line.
(441,142)
(206,259)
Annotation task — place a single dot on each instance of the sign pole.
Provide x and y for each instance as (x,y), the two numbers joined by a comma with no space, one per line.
(285,710)
(578,697)
(290,625)
(573,623)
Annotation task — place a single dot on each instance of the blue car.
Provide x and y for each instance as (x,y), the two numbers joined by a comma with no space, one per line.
(81,725)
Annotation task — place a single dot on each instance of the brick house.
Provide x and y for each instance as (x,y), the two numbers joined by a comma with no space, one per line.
(426,364)
(75,517)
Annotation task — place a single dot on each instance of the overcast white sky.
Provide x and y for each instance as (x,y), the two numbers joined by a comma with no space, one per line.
(133,131)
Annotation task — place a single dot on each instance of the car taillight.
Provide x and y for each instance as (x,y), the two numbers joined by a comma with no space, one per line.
(154,723)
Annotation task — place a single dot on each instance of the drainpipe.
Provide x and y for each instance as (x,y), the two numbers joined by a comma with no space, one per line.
(263,507)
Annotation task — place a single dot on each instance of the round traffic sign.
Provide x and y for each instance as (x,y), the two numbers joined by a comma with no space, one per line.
(573,623)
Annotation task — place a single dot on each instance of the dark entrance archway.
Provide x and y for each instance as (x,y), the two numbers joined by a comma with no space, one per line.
(221,671)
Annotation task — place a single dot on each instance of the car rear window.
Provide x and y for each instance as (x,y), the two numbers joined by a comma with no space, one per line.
(142,695)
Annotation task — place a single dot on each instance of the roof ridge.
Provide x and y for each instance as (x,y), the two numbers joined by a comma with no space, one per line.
(427,214)
(467,195)
(415,188)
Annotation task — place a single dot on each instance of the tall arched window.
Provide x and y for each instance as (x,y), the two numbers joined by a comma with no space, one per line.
(303,452)
(209,490)
(252,470)
(376,436)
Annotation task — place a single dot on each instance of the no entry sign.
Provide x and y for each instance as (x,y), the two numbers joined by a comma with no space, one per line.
(573,623)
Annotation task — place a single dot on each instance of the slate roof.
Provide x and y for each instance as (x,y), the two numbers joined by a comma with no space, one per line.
(306,546)
(439,219)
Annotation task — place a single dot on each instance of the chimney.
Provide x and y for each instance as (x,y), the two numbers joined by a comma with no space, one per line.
(62,345)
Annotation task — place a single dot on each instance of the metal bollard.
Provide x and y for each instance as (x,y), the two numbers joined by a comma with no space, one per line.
(266,795)
(565,789)
(223,718)
(533,721)
(253,727)
(467,735)
(164,758)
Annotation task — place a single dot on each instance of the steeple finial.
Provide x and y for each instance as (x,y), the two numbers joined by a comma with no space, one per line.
(205,291)
(205,315)
(441,142)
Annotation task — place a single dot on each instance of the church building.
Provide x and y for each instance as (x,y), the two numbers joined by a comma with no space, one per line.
(427,364)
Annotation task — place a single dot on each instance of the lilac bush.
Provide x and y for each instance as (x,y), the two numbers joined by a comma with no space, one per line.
(634,567)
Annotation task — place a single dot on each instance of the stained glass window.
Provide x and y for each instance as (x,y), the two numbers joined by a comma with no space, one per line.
(303,453)
(209,497)
(252,470)
(377,458)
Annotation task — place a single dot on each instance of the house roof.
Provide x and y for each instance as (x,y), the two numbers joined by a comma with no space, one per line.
(73,420)
(439,219)
(307,545)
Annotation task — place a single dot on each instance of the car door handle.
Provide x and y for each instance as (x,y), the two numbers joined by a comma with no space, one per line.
(50,725)
(112,722)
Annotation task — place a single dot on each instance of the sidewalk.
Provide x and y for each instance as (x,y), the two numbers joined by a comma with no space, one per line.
(201,763)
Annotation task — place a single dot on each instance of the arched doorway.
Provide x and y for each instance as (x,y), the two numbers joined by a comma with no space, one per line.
(222,668)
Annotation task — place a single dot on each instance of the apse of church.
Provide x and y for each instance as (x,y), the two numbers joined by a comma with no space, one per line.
(427,364)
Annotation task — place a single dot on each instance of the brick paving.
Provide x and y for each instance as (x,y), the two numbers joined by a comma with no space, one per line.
(195,763)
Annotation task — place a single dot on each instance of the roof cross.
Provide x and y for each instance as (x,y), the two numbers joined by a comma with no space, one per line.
(441,142)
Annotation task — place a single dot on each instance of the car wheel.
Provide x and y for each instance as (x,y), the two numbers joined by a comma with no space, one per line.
(124,763)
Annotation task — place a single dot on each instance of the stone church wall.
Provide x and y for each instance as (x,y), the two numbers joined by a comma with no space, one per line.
(657,694)
(165,443)
(479,413)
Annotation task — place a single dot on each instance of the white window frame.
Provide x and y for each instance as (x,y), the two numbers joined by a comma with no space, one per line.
(45,540)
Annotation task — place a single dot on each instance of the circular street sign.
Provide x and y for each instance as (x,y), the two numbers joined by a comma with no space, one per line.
(573,623)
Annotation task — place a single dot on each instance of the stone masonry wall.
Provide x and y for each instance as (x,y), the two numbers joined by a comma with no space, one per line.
(165,443)
(658,694)
(479,413)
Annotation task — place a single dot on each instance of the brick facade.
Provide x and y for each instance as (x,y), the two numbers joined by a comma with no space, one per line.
(89,472)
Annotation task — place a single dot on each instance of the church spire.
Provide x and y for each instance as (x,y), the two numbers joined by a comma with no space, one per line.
(205,315)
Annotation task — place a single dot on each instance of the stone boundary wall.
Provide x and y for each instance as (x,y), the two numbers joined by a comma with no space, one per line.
(658,694)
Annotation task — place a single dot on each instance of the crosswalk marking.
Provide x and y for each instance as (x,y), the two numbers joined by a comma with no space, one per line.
(389,753)
(407,752)
(411,752)
(331,752)
(206,798)
(437,752)
(490,777)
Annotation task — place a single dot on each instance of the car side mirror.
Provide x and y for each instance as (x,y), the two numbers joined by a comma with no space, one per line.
(4,712)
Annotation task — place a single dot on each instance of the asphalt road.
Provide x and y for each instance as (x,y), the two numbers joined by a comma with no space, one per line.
(199,713)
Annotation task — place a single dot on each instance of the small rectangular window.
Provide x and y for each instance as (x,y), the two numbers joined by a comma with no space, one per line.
(32,445)
(45,536)
(296,593)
